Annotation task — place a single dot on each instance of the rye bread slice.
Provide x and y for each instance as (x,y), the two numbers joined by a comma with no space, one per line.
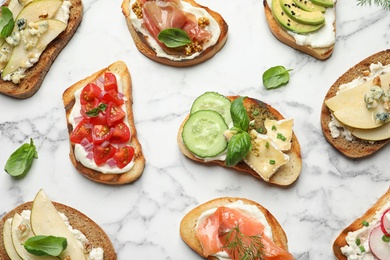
(143,46)
(119,68)
(37,73)
(357,224)
(94,233)
(188,223)
(282,35)
(357,148)
(286,174)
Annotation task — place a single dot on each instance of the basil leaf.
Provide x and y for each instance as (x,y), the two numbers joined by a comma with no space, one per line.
(45,245)
(239,116)
(275,77)
(20,161)
(7,22)
(174,37)
(95,111)
(238,147)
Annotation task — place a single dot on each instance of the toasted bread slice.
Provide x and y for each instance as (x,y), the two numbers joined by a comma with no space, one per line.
(357,148)
(286,174)
(120,69)
(188,223)
(281,34)
(36,74)
(94,233)
(357,224)
(141,41)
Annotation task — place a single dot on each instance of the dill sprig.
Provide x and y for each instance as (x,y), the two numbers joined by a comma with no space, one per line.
(385,4)
(241,246)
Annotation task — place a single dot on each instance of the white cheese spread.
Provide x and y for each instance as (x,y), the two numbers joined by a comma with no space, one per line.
(79,151)
(248,210)
(213,27)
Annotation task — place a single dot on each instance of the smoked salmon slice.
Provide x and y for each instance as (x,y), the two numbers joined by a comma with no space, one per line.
(212,234)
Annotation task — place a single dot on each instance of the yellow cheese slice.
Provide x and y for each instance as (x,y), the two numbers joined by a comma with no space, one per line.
(280,131)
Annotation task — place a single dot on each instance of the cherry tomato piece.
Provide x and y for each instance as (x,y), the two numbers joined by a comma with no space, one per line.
(102,154)
(123,156)
(101,133)
(114,114)
(82,130)
(110,82)
(112,96)
(89,93)
(121,133)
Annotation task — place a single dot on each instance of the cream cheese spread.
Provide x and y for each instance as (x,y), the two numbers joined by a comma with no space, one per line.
(79,151)
(352,251)
(248,210)
(213,27)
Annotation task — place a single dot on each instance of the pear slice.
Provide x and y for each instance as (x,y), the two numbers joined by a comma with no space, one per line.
(377,134)
(39,9)
(20,56)
(45,220)
(7,238)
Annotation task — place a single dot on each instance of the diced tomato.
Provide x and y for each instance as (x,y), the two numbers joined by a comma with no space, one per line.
(121,133)
(101,133)
(100,119)
(123,156)
(82,130)
(89,93)
(110,82)
(112,96)
(114,114)
(102,154)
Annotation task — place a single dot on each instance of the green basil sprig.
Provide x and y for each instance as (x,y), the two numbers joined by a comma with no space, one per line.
(95,111)
(240,143)
(20,161)
(174,37)
(7,22)
(275,77)
(45,245)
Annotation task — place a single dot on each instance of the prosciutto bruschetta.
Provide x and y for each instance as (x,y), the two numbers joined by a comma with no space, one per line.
(175,32)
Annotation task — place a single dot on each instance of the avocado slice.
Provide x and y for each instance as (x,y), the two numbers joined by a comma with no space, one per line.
(301,16)
(308,5)
(325,3)
(289,24)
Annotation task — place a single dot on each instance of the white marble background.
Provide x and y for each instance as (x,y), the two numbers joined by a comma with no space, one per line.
(142,219)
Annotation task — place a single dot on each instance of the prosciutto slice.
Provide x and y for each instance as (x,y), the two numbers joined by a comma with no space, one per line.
(163,14)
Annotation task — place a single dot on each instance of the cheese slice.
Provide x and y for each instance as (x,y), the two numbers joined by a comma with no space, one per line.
(265,158)
(280,131)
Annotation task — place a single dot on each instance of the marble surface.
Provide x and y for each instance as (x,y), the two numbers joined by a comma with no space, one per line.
(142,219)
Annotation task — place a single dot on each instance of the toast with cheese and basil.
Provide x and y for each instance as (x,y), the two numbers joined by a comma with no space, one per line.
(19,84)
(351,141)
(297,33)
(112,172)
(192,221)
(16,221)
(282,166)
(172,33)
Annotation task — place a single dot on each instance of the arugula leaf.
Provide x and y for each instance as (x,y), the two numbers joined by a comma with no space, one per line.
(239,116)
(20,161)
(238,147)
(45,245)
(275,77)
(174,37)
(7,22)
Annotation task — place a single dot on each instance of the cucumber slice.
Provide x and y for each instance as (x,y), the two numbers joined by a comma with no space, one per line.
(203,133)
(213,101)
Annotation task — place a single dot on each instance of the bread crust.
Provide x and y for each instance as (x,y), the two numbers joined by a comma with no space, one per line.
(94,233)
(143,46)
(119,68)
(357,148)
(188,223)
(36,74)
(286,174)
(357,224)
(282,35)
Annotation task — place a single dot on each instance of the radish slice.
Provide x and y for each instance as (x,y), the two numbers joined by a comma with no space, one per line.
(378,247)
(385,223)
